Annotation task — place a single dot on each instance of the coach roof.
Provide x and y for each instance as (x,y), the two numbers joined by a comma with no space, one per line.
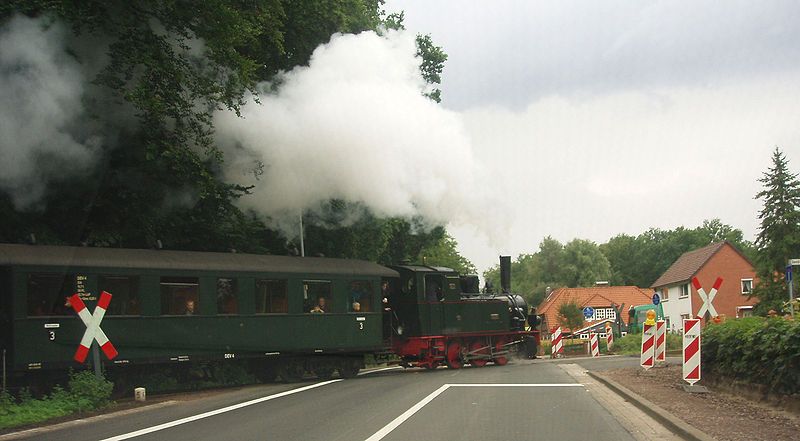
(47,255)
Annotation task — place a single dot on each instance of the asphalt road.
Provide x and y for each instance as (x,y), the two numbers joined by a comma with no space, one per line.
(522,400)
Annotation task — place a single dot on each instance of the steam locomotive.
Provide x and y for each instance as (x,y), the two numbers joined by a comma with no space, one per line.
(276,315)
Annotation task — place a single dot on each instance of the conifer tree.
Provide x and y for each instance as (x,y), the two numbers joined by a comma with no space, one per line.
(779,236)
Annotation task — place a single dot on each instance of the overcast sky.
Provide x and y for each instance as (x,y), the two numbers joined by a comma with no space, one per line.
(599,118)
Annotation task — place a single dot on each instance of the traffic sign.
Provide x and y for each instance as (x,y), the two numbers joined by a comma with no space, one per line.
(707,299)
(794,262)
(588,311)
(93,331)
(656,299)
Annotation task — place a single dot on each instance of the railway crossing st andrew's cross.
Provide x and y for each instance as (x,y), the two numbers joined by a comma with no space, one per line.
(707,306)
(93,331)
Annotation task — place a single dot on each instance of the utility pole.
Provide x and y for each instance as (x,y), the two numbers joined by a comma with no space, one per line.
(302,245)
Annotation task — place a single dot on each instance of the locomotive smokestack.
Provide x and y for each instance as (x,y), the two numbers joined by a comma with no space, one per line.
(505,274)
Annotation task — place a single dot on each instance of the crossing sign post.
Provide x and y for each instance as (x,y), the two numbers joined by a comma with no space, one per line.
(792,262)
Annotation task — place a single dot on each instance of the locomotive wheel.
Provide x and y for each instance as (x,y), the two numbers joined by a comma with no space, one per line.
(500,345)
(430,366)
(453,356)
(475,350)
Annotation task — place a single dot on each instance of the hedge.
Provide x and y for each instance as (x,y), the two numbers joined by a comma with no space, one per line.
(756,350)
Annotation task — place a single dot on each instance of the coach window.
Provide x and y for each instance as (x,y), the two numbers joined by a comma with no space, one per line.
(360,296)
(124,291)
(271,297)
(179,296)
(317,296)
(48,294)
(226,296)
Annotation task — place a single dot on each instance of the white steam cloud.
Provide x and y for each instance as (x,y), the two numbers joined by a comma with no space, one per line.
(40,91)
(353,125)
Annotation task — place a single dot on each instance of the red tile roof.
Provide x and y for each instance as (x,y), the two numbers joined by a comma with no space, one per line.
(690,263)
(596,297)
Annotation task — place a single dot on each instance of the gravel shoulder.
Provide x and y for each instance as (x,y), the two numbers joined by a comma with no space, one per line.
(722,415)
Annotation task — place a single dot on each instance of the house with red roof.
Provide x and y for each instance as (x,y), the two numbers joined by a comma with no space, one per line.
(717,260)
(602,298)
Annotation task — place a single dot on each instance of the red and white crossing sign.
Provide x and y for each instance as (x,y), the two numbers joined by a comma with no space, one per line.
(556,347)
(609,338)
(594,345)
(661,340)
(93,331)
(707,306)
(691,350)
(647,358)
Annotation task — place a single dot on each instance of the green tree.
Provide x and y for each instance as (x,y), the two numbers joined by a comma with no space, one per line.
(779,235)
(532,274)
(444,252)
(570,315)
(583,264)
(169,66)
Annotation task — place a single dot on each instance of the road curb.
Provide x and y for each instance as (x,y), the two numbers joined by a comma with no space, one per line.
(671,422)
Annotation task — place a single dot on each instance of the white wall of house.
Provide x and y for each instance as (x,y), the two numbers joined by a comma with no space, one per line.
(676,304)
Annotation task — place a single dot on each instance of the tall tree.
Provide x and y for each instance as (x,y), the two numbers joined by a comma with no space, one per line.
(779,235)
(444,252)
(584,264)
(168,65)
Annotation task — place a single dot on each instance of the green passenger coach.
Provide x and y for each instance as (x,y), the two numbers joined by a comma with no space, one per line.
(170,306)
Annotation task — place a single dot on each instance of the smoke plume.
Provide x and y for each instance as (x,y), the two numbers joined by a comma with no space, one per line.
(41,92)
(354,125)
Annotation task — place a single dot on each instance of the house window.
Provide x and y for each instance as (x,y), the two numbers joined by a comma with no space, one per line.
(664,294)
(747,286)
(684,291)
(584,336)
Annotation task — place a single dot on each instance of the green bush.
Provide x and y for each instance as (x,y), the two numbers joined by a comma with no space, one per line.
(757,350)
(631,344)
(89,391)
(85,393)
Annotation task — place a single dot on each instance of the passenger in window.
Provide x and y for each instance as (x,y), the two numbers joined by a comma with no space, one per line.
(356,307)
(189,307)
(321,307)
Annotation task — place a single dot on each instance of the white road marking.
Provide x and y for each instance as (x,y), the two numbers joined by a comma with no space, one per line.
(385,430)
(380,370)
(214,412)
(517,385)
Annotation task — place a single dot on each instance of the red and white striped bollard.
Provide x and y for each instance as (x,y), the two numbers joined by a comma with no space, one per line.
(556,349)
(661,340)
(691,350)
